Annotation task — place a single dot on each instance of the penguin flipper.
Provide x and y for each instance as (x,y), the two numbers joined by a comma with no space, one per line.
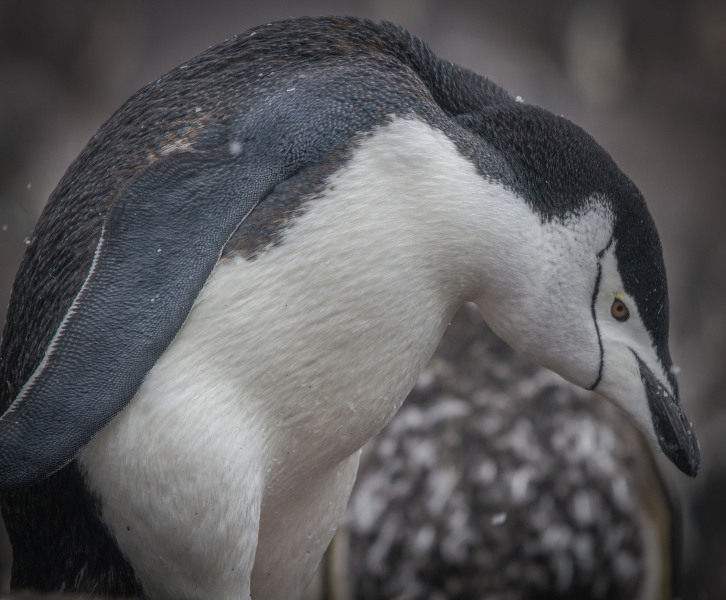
(162,236)
(160,241)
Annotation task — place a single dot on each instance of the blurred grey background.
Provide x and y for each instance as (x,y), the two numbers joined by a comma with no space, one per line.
(647,78)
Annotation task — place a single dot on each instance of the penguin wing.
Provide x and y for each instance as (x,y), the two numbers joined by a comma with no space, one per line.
(160,239)
(159,242)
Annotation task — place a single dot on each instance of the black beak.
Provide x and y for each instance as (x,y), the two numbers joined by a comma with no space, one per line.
(674,430)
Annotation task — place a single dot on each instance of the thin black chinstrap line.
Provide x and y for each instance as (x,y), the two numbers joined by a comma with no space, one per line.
(592,309)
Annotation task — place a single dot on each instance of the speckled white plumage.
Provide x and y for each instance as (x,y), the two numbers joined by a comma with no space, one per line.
(497,480)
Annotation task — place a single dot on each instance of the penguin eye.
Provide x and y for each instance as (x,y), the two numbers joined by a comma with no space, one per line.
(619,311)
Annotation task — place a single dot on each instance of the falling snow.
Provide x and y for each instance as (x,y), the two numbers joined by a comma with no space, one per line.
(235,148)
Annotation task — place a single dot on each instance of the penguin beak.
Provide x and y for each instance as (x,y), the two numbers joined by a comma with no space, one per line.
(672,428)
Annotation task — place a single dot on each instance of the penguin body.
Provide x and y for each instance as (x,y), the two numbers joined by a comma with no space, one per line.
(236,283)
(379,329)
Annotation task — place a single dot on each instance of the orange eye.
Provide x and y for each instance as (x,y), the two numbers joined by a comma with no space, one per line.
(619,311)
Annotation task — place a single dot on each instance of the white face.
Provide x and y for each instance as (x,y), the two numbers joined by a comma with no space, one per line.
(567,310)
(547,314)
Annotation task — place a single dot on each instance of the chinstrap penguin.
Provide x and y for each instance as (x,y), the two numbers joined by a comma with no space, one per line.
(236,283)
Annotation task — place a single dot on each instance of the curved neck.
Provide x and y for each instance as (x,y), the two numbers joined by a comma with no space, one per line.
(473,237)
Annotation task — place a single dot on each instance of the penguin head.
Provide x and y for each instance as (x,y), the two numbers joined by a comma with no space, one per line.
(588,296)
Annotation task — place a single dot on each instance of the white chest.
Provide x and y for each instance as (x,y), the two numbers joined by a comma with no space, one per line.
(285,367)
(316,342)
